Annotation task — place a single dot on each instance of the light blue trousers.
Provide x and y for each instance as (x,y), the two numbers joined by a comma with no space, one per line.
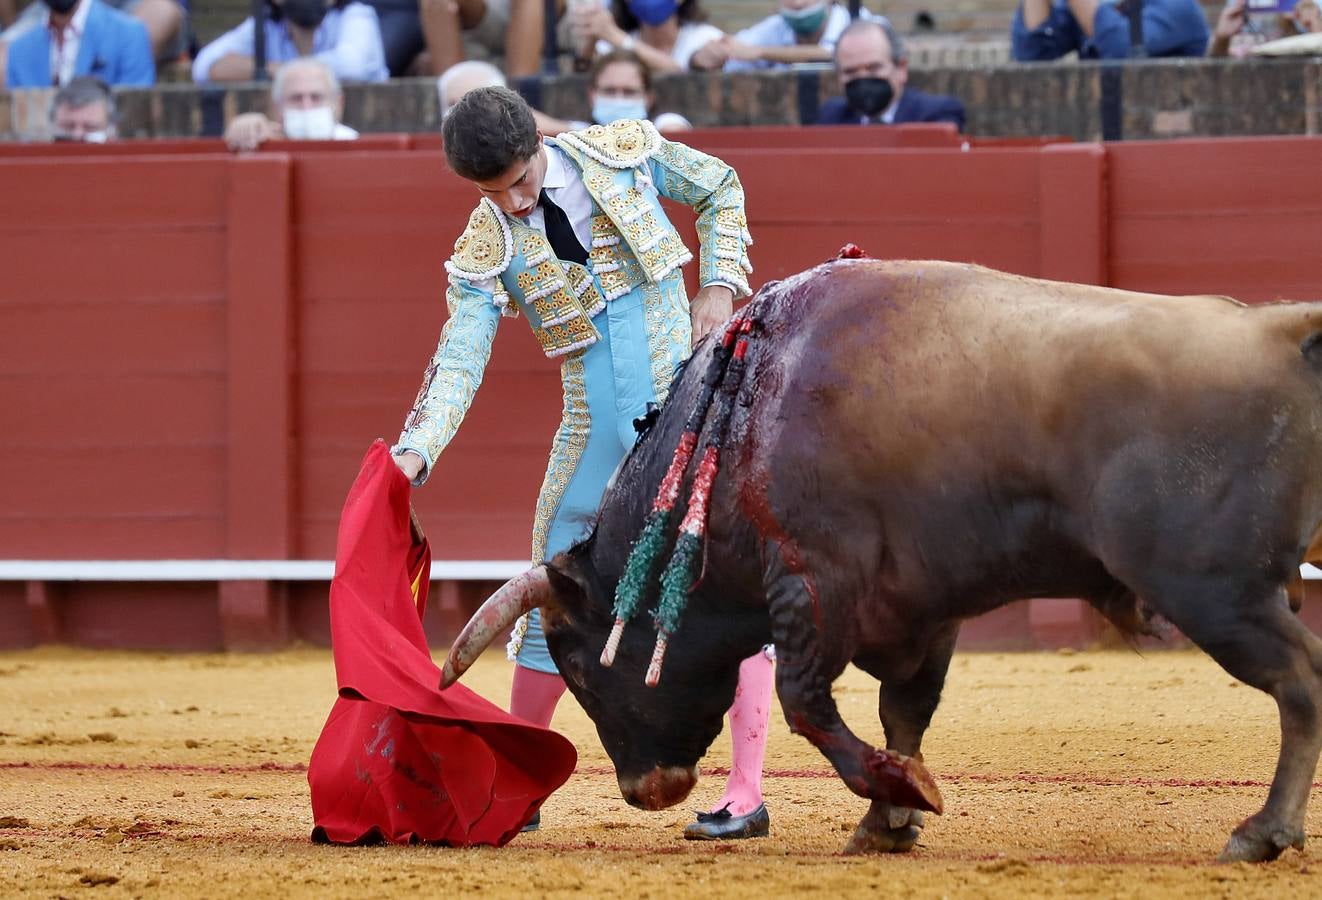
(607,386)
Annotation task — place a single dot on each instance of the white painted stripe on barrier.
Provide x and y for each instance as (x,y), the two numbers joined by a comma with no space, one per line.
(266,570)
(231,570)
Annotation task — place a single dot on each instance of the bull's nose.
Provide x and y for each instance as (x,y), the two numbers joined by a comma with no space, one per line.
(659,788)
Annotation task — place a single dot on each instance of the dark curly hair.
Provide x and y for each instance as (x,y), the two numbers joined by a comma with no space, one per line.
(487,131)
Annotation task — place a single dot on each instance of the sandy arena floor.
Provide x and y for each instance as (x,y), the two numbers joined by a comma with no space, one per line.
(1101,774)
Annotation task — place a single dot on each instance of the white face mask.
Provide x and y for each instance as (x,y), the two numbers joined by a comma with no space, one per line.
(316,124)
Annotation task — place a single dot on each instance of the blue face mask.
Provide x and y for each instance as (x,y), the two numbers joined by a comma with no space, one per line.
(653,12)
(807,20)
(611,109)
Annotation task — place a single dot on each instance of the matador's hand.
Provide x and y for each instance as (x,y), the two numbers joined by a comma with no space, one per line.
(709,309)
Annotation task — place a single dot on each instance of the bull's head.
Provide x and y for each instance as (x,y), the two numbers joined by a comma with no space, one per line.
(654,735)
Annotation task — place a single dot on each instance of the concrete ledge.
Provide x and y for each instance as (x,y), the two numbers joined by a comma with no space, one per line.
(1084,101)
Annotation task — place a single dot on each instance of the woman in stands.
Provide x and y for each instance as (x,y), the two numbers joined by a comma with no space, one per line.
(664,33)
(621,88)
(341,33)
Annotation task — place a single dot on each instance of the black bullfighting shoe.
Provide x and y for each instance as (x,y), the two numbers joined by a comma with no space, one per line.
(721,826)
(534,823)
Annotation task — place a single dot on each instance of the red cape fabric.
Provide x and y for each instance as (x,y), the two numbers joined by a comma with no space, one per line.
(400,760)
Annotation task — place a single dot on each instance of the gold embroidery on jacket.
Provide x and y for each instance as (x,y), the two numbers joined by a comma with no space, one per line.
(566,451)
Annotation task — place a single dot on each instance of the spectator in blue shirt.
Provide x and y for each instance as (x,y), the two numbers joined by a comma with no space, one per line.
(164,20)
(345,36)
(81,37)
(1098,29)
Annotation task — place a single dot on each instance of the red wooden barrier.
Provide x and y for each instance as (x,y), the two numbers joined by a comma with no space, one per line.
(176,146)
(199,347)
(908,136)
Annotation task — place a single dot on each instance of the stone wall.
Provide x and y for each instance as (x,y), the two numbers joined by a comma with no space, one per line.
(1148,99)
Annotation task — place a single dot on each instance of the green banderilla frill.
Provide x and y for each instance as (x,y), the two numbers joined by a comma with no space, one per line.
(677,581)
(644,562)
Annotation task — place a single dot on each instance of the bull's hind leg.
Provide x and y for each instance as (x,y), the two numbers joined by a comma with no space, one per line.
(1262,644)
(905,707)
(806,666)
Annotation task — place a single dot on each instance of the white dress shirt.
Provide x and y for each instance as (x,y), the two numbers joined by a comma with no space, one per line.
(65,43)
(567,191)
(565,187)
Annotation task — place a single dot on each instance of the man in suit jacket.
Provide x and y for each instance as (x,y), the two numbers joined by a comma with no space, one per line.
(81,37)
(872,66)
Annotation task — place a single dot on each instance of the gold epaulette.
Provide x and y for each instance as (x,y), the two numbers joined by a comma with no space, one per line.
(485,248)
(623,144)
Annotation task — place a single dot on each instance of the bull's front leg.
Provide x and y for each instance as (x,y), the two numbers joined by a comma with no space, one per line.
(905,706)
(806,665)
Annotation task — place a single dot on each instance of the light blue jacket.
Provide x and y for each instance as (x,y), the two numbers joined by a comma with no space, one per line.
(114,48)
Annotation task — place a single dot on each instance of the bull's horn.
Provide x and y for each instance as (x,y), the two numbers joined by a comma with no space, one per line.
(517,596)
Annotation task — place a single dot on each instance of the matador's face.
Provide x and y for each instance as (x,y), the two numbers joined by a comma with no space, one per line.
(516,189)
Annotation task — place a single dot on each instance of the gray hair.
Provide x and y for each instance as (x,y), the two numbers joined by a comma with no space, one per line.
(304,62)
(84,91)
(899,52)
(484,73)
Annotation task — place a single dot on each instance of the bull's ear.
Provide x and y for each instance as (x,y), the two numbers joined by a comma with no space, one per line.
(568,586)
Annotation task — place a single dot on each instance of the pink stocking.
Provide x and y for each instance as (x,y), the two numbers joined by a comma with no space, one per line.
(748,732)
(534,694)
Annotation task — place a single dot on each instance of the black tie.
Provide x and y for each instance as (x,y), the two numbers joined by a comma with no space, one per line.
(560,233)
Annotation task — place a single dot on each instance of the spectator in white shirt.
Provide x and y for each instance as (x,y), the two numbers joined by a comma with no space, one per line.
(343,35)
(665,34)
(802,31)
(307,104)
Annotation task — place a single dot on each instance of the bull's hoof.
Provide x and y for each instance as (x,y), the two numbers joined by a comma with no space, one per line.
(1259,842)
(899,835)
(906,781)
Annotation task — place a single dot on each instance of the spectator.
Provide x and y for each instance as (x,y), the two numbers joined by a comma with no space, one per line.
(472,74)
(341,33)
(1305,18)
(803,31)
(1097,29)
(307,104)
(621,88)
(81,37)
(83,110)
(667,35)
(164,20)
(442,28)
(872,66)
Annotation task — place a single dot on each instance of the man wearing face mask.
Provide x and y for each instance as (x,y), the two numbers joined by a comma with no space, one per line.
(83,110)
(872,66)
(801,31)
(307,103)
(343,35)
(81,37)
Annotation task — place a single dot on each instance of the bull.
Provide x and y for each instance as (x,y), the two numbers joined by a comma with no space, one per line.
(916,443)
